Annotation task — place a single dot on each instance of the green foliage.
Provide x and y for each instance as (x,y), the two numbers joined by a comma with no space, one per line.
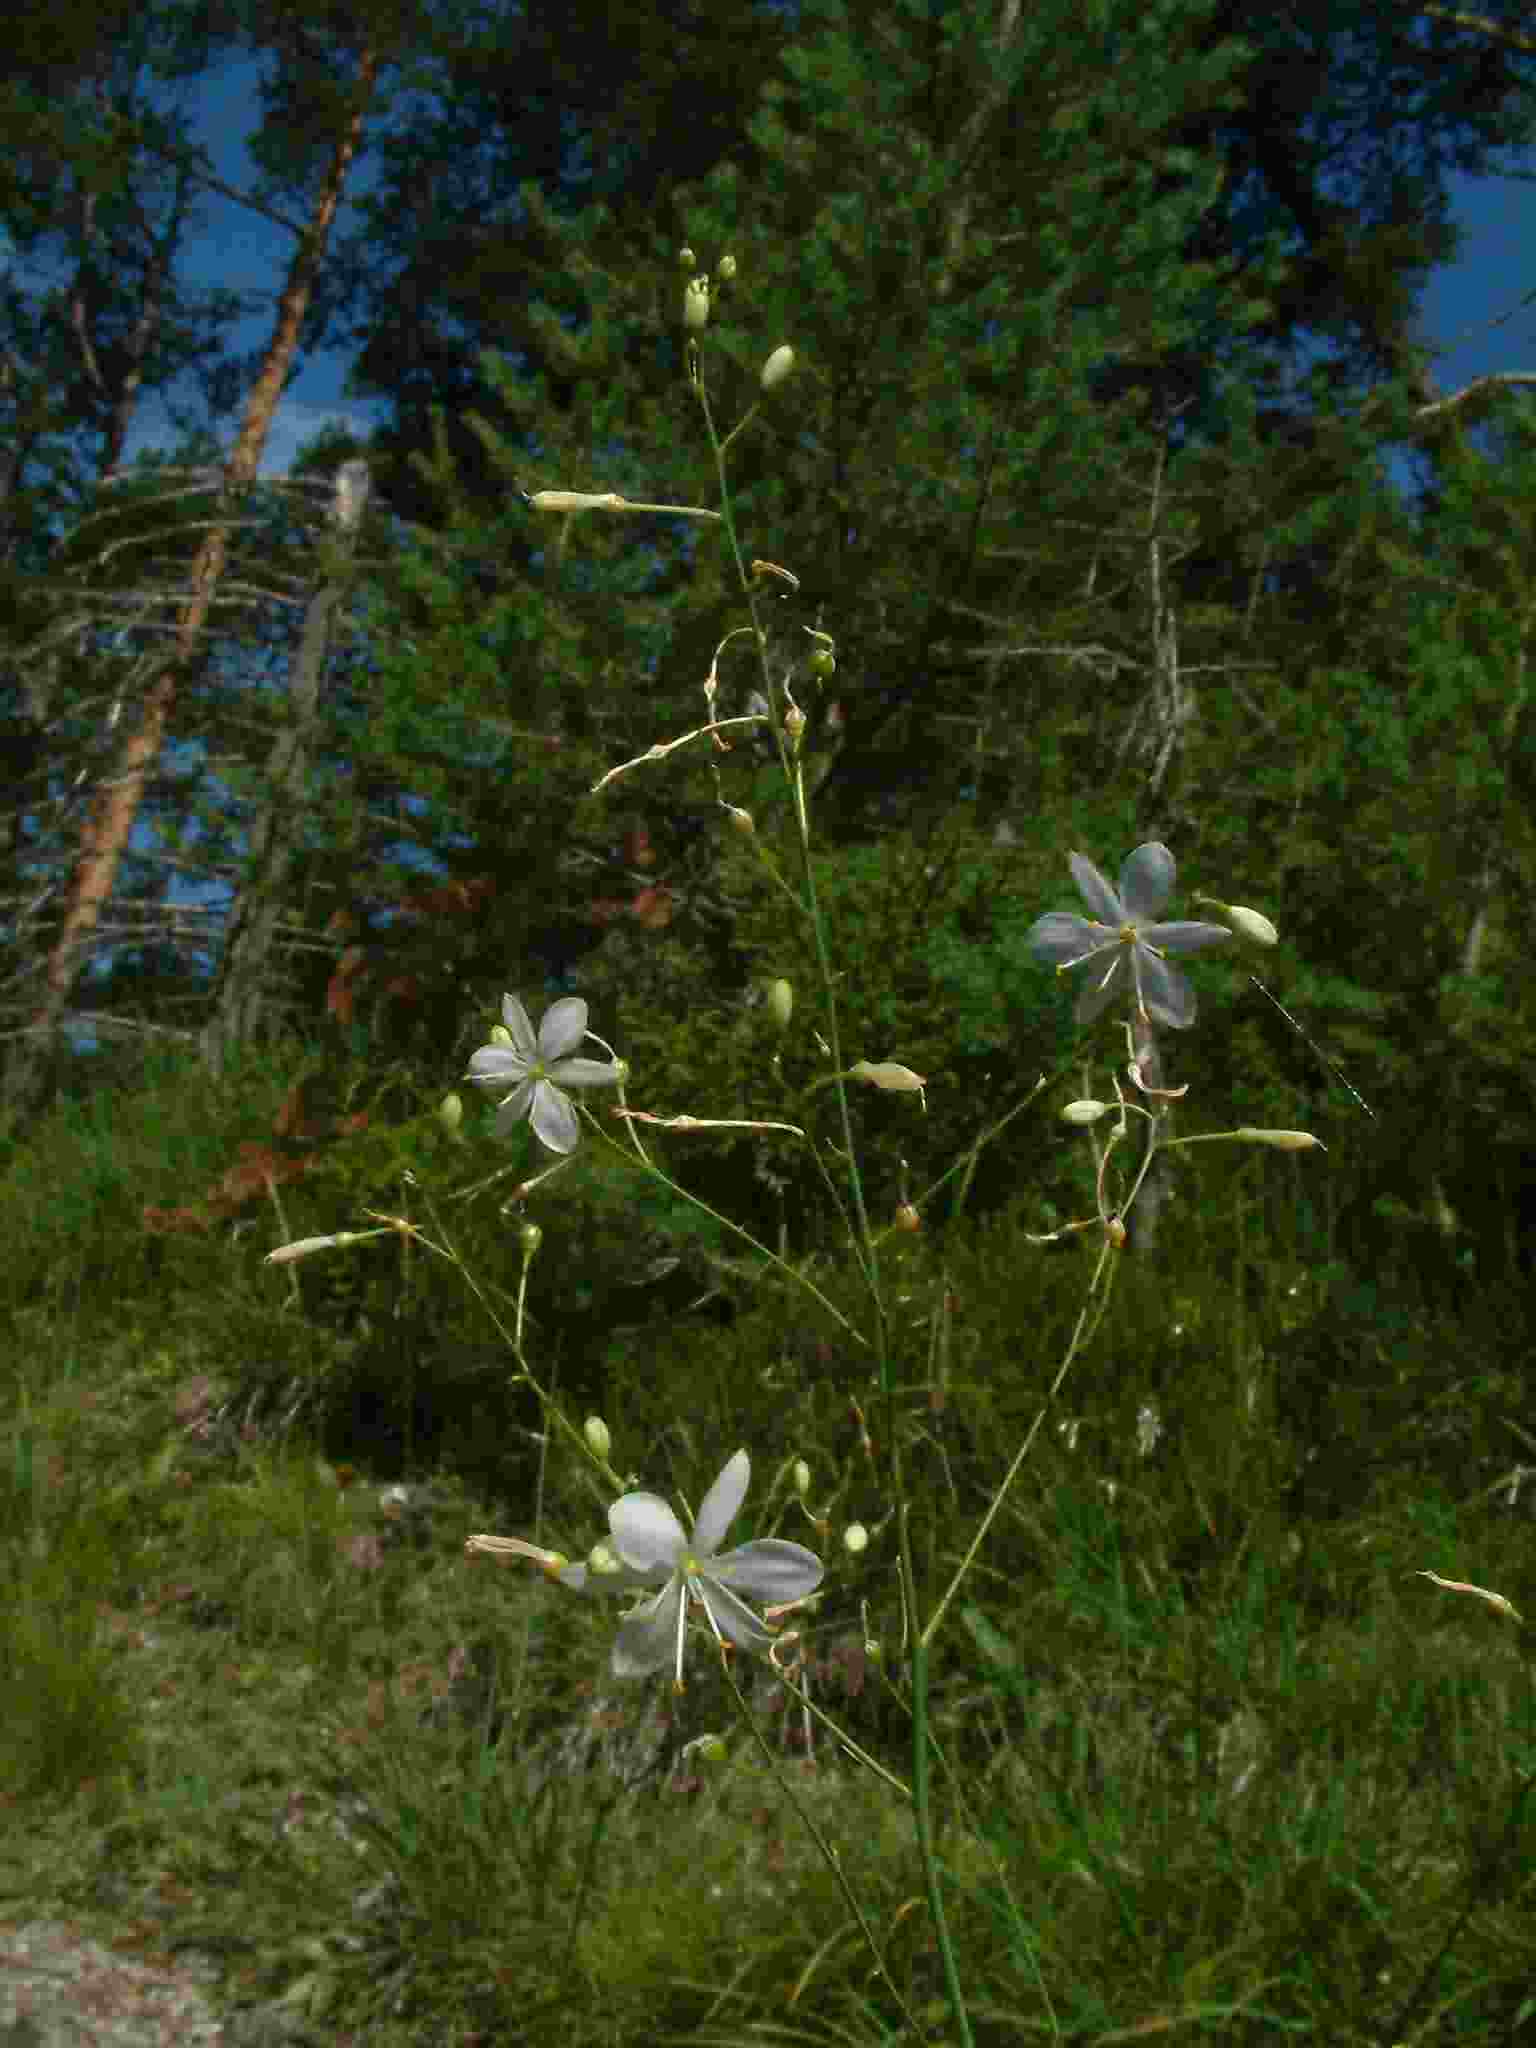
(1206,1750)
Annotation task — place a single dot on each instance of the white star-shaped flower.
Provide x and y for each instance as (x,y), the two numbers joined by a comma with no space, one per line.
(1124,939)
(531,1072)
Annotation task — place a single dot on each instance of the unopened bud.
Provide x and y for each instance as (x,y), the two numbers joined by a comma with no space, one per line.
(802,1477)
(1084,1112)
(726,268)
(1282,1141)
(781,1002)
(595,1430)
(603,1559)
(1248,924)
(696,305)
(822,664)
(855,1539)
(686,260)
(712,1750)
(907,1218)
(794,722)
(450,1113)
(301,1247)
(778,367)
(743,821)
(530,1237)
(886,1074)
(621,1071)
(1114,1230)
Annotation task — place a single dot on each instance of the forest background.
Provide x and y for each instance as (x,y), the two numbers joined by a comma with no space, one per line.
(1019,318)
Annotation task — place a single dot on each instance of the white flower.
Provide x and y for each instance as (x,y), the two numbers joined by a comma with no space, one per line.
(527,1071)
(651,1545)
(1122,927)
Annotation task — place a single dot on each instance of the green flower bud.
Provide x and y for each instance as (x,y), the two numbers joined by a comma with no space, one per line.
(1248,924)
(726,268)
(822,664)
(595,1430)
(450,1113)
(1251,924)
(888,1075)
(696,305)
(530,1237)
(302,1247)
(781,1002)
(855,1539)
(743,821)
(1282,1141)
(802,1476)
(1084,1112)
(686,260)
(778,367)
(712,1750)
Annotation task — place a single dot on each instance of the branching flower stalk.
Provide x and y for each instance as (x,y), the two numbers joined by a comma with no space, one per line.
(865,1246)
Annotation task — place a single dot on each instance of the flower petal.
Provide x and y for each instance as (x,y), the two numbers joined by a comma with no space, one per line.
(1061,939)
(513,1110)
(574,1073)
(718,1508)
(553,1119)
(1183,938)
(515,1017)
(651,1637)
(1146,880)
(563,1027)
(1095,891)
(496,1066)
(731,1616)
(1105,981)
(1165,991)
(770,1570)
(646,1534)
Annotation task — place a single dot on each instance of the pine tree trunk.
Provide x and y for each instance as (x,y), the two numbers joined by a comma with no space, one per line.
(110,818)
(254,918)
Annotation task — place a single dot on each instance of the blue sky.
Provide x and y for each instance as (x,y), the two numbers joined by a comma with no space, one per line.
(1480,310)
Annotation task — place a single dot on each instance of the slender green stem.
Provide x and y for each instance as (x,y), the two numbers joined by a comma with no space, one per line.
(829,1855)
(866,1244)
(792,1273)
(928,1854)
(1088,1319)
